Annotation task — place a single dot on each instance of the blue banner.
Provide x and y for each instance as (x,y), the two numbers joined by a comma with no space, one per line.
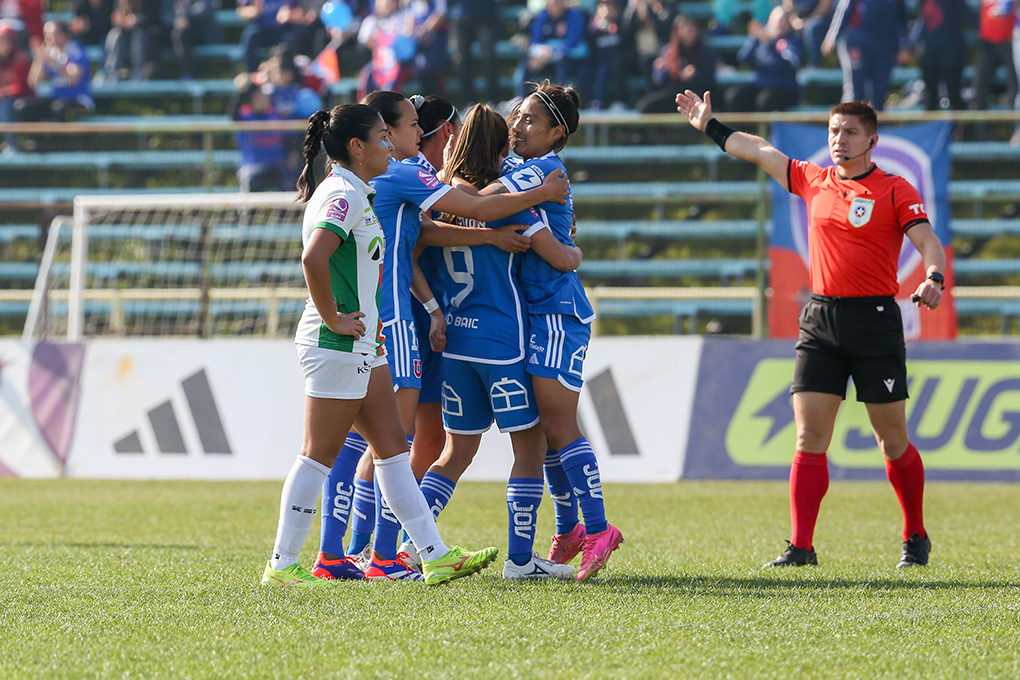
(963,414)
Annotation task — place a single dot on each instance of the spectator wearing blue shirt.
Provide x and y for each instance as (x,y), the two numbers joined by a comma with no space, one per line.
(775,53)
(60,75)
(262,152)
(268,24)
(557,48)
(868,35)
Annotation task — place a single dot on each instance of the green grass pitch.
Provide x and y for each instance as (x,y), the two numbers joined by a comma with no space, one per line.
(105,579)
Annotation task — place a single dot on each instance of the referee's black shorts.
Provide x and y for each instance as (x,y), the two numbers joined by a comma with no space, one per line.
(852,337)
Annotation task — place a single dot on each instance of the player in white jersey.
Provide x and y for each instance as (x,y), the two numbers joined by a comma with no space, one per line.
(560,316)
(484,375)
(405,190)
(340,345)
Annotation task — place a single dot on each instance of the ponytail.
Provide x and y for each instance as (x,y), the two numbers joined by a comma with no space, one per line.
(313,141)
(333,130)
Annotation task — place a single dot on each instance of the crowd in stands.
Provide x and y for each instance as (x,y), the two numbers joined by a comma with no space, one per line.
(623,53)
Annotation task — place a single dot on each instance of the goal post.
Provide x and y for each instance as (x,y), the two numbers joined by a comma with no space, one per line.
(198,265)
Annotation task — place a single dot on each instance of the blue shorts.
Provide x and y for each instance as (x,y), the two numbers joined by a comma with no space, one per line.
(402,350)
(558,345)
(475,394)
(431,362)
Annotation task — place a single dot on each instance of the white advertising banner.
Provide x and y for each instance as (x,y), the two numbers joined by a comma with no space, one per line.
(172,409)
(233,409)
(635,409)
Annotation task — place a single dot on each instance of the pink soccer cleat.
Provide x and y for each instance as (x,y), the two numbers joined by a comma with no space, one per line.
(566,546)
(597,549)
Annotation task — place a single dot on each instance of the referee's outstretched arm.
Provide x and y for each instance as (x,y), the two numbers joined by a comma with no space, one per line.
(742,145)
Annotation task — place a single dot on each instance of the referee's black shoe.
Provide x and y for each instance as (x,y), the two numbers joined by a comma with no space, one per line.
(915,551)
(795,557)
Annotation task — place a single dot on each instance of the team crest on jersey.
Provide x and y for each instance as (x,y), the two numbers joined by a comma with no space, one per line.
(860,211)
(428,179)
(338,210)
(528,178)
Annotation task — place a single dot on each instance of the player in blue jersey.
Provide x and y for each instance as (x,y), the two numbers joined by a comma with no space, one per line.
(560,317)
(402,193)
(484,376)
(340,345)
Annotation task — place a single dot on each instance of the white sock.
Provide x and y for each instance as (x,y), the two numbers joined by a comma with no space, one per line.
(400,489)
(297,510)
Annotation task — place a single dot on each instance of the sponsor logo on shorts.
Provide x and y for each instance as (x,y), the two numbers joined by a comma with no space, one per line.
(464,322)
(889,384)
(366,367)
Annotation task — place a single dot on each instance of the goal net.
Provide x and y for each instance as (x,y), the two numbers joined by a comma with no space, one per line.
(198,265)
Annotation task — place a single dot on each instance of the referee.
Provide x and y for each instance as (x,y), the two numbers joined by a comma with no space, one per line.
(857,216)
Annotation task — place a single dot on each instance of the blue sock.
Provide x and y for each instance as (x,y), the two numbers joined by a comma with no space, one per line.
(437,490)
(523,496)
(564,500)
(583,472)
(338,495)
(363,519)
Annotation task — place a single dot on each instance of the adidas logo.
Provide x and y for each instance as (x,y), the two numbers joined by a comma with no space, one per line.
(166,429)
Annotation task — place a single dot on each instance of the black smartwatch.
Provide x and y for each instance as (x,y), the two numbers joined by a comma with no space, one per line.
(938,278)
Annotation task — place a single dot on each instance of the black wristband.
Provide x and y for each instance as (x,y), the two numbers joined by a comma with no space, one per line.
(718,132)
(938,278)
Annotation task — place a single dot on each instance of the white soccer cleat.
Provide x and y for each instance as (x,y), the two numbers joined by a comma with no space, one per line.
(363,558)
(537,568)
(408,554)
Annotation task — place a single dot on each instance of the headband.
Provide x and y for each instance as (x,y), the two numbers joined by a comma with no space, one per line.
(448,119)
(555,111)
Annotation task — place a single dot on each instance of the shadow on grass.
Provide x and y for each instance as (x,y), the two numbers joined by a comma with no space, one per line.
(767,586)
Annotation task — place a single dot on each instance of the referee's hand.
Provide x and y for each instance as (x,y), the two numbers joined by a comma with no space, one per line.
(697,110)
(928,294)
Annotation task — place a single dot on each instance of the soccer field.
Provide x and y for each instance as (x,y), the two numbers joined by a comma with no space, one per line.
(160,579)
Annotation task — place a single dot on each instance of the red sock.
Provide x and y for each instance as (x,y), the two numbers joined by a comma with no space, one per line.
(809,480)
(906,474)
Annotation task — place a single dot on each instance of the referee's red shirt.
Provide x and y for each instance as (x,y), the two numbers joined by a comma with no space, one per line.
(855,227)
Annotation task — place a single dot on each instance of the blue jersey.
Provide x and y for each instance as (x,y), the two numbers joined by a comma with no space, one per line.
(546,289)
(431,263)
(402,193)
(486,319)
